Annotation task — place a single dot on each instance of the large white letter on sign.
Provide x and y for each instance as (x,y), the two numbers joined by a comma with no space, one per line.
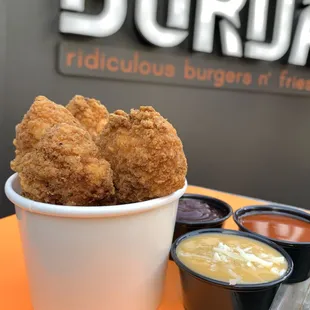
(205,22)
(230,39)
(301,43)
(108,22)
(145,17)
(73,5)
(281,34)
(178,13)
(257,21)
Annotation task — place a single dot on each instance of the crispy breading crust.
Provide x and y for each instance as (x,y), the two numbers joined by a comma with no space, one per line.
(42,115)
(145,154)
(92,115)
(65,168)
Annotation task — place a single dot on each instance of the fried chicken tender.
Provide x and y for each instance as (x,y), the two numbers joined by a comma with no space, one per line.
(90,113)
(145,154)
(65,169)
(42,115)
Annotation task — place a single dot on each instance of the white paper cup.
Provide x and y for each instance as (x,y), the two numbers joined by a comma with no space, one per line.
(95,258)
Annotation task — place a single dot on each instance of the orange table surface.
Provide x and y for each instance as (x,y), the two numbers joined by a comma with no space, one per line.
(14,292)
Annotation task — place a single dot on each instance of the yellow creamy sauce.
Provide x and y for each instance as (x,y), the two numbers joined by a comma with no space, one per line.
(231,258)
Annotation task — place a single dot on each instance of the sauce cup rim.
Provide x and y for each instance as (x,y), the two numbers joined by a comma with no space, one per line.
(237,287)
(206,198)
(278,209)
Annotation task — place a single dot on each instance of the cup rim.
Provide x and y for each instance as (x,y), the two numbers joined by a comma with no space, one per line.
(237,287)
(83,211)
(206,198)
(277,209)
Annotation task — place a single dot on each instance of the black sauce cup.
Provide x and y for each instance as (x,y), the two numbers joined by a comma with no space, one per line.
(183,227)
(299,251)
(200,292)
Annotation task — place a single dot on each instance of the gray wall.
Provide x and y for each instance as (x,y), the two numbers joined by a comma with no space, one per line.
(5,207)
(254,144)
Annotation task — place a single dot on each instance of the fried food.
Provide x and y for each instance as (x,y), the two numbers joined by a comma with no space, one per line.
(138,156)
(42,115)
(145,154)
(90,113)
(65,169)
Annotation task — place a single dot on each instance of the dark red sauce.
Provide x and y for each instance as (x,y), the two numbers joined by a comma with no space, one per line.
(276,226)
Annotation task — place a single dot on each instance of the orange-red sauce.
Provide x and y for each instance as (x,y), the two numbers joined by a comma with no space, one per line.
(278,227)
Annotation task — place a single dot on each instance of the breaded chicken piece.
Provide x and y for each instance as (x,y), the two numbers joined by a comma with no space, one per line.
(65,169)
(42,115)
(145,154)
(90,113)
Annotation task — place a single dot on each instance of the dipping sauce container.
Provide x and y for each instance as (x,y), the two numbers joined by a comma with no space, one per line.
(289,227)
(198,211)
(205,285)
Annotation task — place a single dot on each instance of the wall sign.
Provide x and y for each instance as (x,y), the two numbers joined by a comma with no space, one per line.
(114,13)
(194,71)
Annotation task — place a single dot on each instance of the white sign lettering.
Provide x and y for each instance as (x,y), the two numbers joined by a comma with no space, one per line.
(301,44)
(108,22)
(206,11)
(281,34)
(178,16)
(114,12)
(257,20)
(145,17)
(73,5)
